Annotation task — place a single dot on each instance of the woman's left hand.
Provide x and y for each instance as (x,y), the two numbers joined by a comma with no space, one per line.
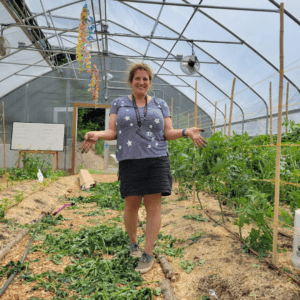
(194,134)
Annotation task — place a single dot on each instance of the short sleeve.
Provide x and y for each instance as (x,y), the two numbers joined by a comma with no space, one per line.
(114,107)
(165,109)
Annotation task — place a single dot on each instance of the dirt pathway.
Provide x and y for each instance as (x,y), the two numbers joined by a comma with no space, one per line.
(219,262)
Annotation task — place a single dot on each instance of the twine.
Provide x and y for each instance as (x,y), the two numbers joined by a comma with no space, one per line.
(281,181)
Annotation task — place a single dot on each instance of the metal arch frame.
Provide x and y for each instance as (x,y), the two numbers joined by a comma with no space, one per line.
(200,50)
(170,53)
(178,76)
(98,41)
(236,36)
(253,49)
(188,85)
(244,42)
(204,6)
(212,58)
(46,38)
(286,12)
(248,45)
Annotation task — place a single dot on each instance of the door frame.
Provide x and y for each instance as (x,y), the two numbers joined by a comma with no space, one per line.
(74,133)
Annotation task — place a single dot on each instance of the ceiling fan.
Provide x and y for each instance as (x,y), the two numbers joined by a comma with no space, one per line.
(190,64)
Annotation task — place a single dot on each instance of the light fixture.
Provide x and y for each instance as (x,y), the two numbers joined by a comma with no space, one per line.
(104,26)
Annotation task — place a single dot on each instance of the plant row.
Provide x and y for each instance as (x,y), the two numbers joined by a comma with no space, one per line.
(237,170)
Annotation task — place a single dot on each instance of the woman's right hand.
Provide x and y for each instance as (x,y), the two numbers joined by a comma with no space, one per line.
(90,139)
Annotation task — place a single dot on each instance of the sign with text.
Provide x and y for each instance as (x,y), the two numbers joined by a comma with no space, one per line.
(37,136)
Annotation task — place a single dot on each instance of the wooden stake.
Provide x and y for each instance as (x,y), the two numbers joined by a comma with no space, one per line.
(57,165)
(215,117)
(195,106)
(225,121)
(231,107)
(172,108)
(74,135)
(287,106)
(278,143)
(4,136)
(271,122)
(199,124)
(195,125)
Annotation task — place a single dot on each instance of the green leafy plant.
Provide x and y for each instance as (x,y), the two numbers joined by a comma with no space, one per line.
(197,218)
(187,265)
(241,171)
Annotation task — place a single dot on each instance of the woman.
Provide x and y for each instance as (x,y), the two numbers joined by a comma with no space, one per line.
(142,126)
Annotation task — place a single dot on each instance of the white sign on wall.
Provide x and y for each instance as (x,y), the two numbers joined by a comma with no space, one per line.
(37,136)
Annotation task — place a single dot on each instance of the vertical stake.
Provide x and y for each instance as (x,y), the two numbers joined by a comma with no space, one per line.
(287,106)
(278,142)
(172,108)
(215,117)
(195,125)
(271,122)
(225,121)
(4,137)
(231,107)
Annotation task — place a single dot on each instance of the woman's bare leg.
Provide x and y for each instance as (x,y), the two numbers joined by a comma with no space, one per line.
(131,208)
(153,208)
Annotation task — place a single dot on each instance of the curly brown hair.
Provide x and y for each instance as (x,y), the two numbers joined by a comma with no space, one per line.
(138,66)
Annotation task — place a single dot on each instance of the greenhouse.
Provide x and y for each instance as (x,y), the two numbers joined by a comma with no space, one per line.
(229,67)
(233,41)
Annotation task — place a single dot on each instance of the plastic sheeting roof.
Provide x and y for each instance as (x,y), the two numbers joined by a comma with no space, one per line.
(11,67)
(244,44)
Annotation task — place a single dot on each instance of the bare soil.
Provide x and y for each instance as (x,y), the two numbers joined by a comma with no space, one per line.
(88,160)
(228,271)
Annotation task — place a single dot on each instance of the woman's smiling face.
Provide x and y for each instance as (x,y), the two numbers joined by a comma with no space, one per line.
(140,83)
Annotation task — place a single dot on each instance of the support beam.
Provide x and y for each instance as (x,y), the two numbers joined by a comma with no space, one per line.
(202,6)
(165,38)
(154,27)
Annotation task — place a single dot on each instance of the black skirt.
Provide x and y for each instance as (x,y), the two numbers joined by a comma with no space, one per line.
(145,176)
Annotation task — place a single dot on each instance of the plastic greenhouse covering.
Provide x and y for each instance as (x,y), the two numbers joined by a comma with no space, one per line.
(231,39)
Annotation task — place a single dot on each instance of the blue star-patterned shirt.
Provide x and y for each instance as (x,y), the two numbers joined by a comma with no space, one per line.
(150,142)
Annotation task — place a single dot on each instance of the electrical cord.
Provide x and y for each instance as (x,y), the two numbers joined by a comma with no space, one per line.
(27,251)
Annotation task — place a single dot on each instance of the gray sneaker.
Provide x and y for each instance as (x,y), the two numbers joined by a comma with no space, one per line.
(135,250)
(145,263)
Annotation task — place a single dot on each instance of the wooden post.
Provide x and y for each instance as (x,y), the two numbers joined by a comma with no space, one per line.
(199,124)
(53,162)
(271,122)
(225,121)
(57,166)
(278,142)
(231,107)
(195,106)
(4,136)
(195,125)
(287,106)
(215,117)
(24,152)
(74,135)
(172,108)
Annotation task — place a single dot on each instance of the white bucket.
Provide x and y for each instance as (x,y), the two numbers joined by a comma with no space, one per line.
(296,245)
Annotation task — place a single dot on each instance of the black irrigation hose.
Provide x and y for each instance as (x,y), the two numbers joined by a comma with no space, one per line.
(12,276)
(22,260)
